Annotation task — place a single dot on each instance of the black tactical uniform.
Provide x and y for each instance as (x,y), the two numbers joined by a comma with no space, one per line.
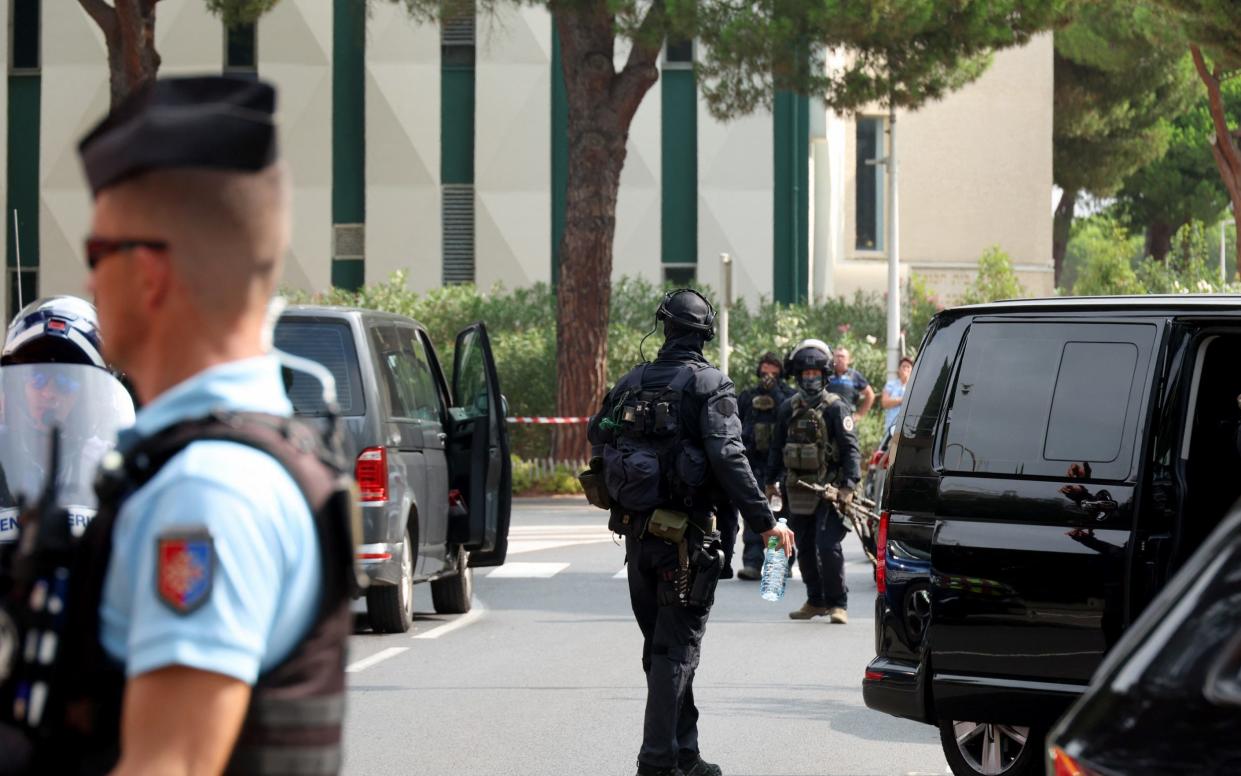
(670,435)
(759,407)
(815,446)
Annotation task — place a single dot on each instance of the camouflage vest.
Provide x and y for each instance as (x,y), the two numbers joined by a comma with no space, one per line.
(810,453)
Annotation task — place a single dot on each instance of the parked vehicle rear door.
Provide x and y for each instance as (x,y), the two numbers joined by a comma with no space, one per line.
(479,446)
(1039,453)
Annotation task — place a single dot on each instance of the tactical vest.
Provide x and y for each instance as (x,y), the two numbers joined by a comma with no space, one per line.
(650,464)
(763,404)
(293,724)
(810,453)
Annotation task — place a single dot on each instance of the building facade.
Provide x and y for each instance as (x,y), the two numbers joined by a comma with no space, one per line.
(441,150)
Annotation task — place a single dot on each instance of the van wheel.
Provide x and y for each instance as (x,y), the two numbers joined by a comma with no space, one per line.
(986,749)
(454,594)
(391,607)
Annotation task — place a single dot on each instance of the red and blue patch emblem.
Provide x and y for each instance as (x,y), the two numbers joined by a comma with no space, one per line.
(185,567)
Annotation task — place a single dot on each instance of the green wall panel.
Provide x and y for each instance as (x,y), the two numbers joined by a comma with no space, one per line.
(790,245)
(457,124)
(679,167)
(348,127)
(25,96)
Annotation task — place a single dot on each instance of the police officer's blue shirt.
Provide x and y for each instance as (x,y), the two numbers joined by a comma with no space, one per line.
(264,587)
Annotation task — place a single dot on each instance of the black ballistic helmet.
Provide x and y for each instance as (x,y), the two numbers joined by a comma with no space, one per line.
(769,358)
(685,308)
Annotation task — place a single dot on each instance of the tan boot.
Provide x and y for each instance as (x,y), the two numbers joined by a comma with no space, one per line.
(807,612)
(839,616)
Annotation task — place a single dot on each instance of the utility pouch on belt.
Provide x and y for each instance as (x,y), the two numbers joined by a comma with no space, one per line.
(621,522)
(707,567)
(594,485)
(668,525)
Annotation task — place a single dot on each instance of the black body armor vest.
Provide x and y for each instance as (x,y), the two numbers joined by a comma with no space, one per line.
(293,724)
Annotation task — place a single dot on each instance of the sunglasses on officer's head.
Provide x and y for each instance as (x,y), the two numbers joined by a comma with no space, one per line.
(62,383)
(100,248)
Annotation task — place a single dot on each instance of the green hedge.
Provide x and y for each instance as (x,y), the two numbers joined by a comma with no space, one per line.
(522,326)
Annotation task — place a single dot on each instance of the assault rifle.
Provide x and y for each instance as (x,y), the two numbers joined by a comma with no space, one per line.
(860,514)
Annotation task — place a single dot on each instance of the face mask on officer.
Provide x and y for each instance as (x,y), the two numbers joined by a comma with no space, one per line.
(811,382)
(768,381)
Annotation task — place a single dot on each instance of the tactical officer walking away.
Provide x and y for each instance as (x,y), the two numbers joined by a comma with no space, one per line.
(208,617)
(759,407)
(670,439)
(815,451)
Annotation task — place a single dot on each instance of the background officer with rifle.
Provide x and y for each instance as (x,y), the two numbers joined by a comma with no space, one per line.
(815,452)
(667,444)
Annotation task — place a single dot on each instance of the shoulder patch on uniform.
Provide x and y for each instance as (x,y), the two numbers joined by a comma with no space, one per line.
(848,422)
(726,406)
(185,568)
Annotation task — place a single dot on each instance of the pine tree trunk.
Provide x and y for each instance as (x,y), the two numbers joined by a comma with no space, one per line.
(1159,240)
(1224,145)
(129,30)
(602,103)
(1062,227)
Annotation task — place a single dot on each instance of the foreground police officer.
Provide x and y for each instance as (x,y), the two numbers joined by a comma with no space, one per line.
(670,436)
(815,447)
(208,619)
(759,407)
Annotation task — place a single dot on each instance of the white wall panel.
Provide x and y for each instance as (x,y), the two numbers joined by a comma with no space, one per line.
(403,229)
(636,246)
(75,96)
(735,202)
(512,147)
(295,54)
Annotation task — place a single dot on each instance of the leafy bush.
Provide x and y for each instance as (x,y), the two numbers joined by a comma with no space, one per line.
(522,327)
(995,280)
(530,480)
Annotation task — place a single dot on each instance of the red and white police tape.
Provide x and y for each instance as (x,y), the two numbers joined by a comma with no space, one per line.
(546,421)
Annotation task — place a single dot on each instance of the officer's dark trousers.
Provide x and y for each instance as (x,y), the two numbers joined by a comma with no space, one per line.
(820,558)
(672,639)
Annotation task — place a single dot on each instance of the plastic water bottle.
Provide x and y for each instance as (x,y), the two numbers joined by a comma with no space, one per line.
(775,570)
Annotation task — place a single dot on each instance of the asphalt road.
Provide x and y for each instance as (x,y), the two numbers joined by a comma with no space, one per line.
(544,677)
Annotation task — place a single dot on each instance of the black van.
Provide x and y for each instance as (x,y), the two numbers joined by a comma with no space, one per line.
(1056,461)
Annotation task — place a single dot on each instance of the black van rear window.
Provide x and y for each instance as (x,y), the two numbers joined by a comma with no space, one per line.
(1052,400)
(331,344)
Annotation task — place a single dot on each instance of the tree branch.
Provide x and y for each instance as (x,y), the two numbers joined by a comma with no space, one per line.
(640,71)
(1223,136)
(103,14)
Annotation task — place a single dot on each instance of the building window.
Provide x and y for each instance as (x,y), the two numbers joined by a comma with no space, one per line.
(680,275)
(458,35)
(24,29)
(241,51)
(868,205)
(679,52)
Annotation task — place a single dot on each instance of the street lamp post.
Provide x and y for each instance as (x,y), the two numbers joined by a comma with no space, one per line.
(894,252)
(725,303)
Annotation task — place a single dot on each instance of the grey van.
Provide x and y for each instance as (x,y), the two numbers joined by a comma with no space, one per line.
(432,464)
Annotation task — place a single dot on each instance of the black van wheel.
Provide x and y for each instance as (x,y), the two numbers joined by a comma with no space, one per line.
(391,607)
(987,749)
(454,594)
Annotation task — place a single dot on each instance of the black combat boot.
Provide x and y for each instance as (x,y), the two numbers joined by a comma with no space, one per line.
(700,767)
(650,770)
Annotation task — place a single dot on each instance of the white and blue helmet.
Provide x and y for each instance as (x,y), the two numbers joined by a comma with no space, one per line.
(56,329)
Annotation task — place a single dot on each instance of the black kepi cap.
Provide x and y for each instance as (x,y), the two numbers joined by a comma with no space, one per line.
(213,122)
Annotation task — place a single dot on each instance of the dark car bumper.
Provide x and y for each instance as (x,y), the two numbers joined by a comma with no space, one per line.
(896,687)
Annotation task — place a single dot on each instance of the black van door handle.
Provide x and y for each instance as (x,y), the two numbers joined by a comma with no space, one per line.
(1102,506)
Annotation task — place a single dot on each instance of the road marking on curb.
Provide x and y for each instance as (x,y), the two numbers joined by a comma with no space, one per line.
(476,612)
(378,657)
(527,570)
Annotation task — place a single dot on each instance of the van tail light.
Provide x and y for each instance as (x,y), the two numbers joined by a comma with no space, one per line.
(881,554)
(885,461)
(1063,765)
(876,458)
(371,472)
